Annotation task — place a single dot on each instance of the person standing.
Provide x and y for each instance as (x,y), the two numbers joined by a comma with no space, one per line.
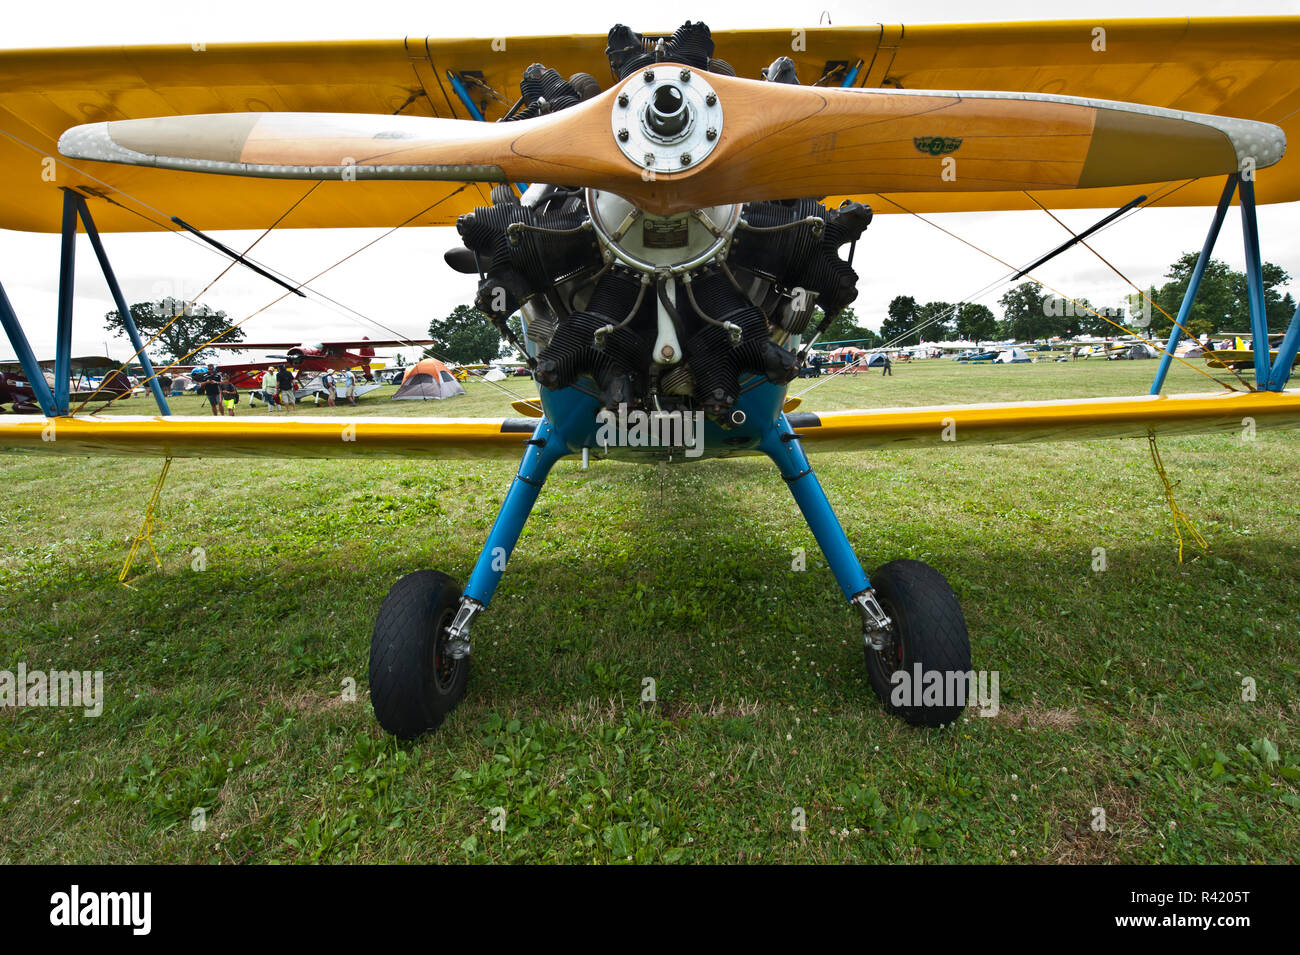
(284,386)
(350,382)
(268,389)
(229,394)
(888,368)
(211,388)
(331,387)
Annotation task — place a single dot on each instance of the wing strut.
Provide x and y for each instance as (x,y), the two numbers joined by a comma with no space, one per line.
(55,402)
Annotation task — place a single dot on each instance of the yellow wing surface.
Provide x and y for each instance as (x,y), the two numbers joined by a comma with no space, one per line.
(1241,67)
(462,438)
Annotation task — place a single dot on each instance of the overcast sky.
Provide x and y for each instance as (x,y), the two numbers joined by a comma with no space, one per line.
(402,281)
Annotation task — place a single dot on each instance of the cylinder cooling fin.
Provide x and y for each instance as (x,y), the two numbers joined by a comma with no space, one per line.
(657,312)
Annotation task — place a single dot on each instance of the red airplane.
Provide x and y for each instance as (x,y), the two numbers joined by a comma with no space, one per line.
(320,356)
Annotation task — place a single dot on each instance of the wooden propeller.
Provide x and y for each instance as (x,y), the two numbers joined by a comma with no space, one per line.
(774,141)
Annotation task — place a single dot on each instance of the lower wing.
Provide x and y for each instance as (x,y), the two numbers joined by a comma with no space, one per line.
(463,438)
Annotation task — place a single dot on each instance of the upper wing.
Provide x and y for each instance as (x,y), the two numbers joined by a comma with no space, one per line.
(1246,67)
(1068,420)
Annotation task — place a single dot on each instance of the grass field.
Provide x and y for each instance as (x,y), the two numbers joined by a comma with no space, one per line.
(1121,690)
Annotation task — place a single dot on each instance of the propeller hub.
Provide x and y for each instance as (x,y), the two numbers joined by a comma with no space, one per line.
(667,120)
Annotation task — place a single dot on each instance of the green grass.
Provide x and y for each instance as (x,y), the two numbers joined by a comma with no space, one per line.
(1119,690)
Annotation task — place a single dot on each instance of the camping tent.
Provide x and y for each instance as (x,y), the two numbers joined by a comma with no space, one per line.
(1013,356)
(429,378)
(1138,350)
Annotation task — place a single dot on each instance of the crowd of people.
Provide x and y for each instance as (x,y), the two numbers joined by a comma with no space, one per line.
(219,389)
(279,387)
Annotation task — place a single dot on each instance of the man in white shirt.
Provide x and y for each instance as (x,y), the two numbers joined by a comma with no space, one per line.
(268,389)
(350,380)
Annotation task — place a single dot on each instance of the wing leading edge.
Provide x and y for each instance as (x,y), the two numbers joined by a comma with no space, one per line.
(504,439)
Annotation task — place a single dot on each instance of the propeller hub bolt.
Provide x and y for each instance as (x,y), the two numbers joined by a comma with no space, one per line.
(686,159)
(648,76)
(622,100)
(711,134)
(623,135)
(685,75)
(711,99)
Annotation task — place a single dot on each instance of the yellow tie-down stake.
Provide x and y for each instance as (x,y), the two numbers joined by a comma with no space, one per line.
(145,534)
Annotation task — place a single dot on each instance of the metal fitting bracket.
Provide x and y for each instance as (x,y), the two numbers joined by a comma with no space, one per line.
(458,645)
(876,624)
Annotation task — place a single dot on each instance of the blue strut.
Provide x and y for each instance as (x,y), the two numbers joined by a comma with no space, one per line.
(781,444)
(1194,284)
(1255,283)
(544,449)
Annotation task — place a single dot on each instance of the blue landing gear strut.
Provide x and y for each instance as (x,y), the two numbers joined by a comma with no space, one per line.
(545,447)
(914,637)
(911,620)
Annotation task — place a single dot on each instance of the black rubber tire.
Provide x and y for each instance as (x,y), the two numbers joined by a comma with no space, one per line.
(412,685)
(929,628)
(585,85)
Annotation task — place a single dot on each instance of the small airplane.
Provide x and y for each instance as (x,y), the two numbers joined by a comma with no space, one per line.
(92,378)
(14,390)
(317,356)
(1242,355)
(677,226)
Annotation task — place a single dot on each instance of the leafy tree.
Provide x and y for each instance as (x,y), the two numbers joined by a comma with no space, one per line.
(844,328)
(517,326)
(1222,301)
(937,317)
(181,328)
(465,337)
(1064,317)
(976,323)
(1278,308)
(903,316)
(1023,316)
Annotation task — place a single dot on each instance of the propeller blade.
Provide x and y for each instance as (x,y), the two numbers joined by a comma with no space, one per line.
(742,140)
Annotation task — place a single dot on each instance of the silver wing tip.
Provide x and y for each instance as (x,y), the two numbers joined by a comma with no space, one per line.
(94,141)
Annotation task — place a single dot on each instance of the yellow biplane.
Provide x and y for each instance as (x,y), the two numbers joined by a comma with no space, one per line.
(664,222)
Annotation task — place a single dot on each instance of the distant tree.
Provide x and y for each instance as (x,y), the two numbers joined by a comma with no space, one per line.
(845,328)
(976,323)
(1023,315)
(181,328)
(1222,301)
(1277,307)
(938,321)
(517,326)
(401,360)
(1064,317)
(903,317)
(466,337)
